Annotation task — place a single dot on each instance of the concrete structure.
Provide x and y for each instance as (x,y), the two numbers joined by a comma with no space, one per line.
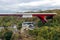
(27,26)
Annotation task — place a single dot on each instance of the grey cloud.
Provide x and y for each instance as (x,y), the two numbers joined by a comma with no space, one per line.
(12,6)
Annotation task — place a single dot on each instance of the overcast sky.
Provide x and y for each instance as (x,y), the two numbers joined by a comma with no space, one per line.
(27,5)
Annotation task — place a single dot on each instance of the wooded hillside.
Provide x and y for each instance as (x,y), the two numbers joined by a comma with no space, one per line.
(47,31)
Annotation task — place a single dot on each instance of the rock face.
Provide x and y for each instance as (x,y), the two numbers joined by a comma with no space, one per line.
(0,39)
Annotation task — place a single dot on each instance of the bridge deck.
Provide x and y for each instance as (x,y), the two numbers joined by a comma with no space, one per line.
(20,14)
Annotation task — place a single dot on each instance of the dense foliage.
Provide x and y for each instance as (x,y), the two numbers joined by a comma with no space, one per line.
(8,35)
(46,33)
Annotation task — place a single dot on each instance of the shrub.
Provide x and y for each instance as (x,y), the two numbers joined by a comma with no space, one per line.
(8,35)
